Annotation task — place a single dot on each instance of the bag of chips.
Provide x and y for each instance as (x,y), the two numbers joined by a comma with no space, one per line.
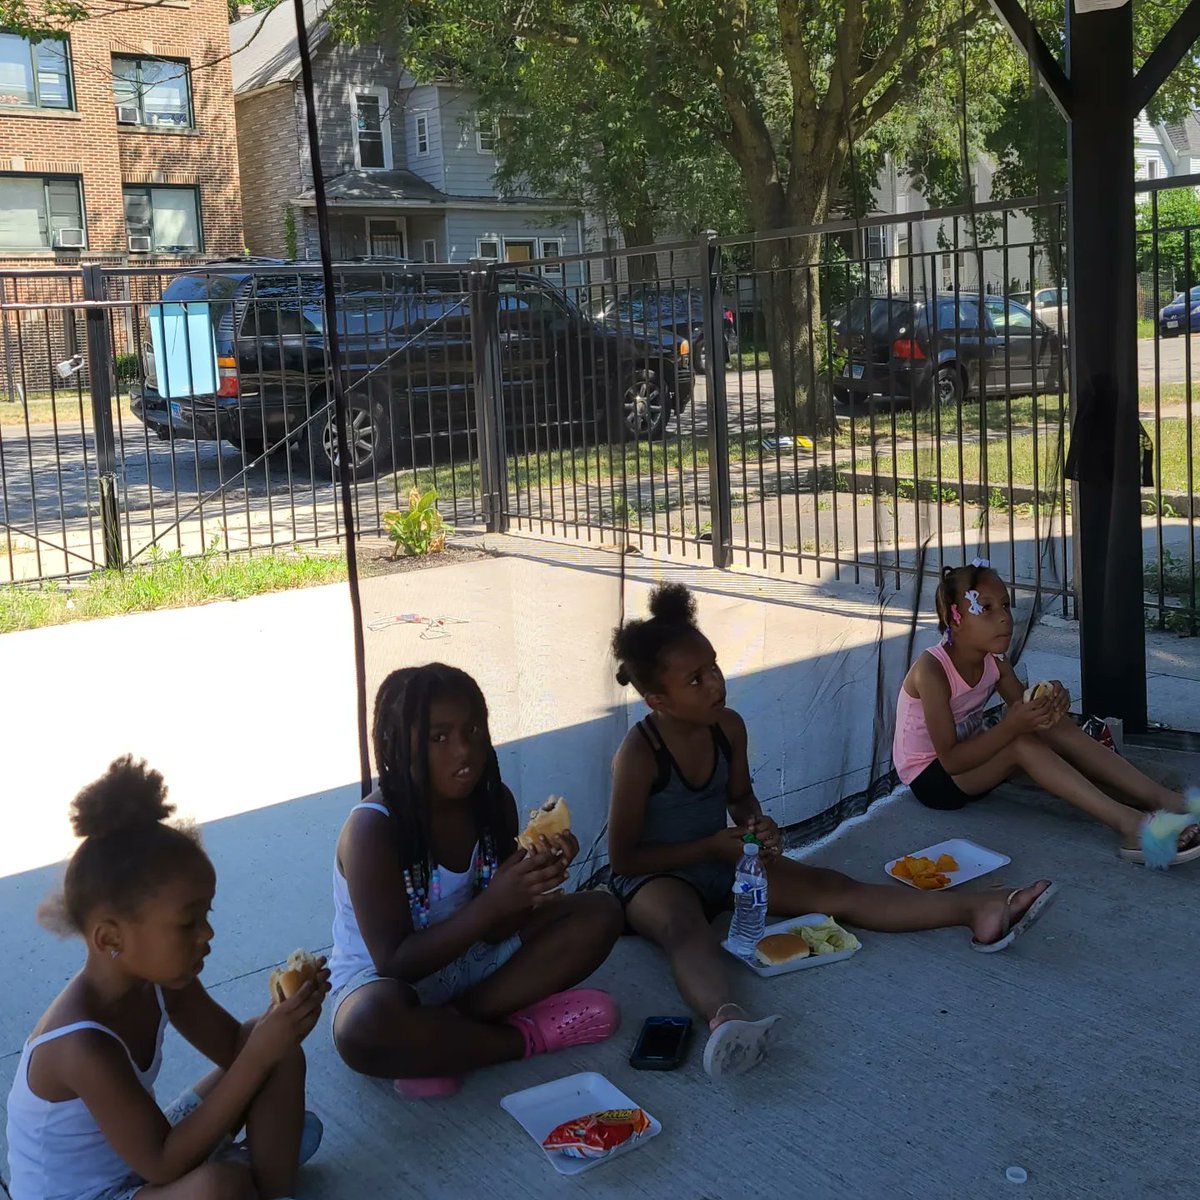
(598,1134)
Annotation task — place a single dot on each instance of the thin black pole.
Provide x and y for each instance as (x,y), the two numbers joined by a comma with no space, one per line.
(340,409)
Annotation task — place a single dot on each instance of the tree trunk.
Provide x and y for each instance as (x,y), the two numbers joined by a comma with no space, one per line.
(637,233)
(788,273)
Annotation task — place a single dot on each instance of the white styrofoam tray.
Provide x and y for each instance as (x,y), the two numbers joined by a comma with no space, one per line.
(973,861)
(797,964)
(542,1109)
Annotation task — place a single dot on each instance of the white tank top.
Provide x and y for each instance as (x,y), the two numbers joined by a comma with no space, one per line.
(56,1151)
(350,954)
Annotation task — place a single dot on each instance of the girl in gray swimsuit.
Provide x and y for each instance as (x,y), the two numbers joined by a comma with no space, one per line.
(678,812)
(679,777)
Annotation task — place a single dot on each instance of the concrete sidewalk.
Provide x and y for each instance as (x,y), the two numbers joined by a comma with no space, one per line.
(918,1068)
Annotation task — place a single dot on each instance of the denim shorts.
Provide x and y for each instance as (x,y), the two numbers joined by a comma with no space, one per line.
(483,959)
(175,1112)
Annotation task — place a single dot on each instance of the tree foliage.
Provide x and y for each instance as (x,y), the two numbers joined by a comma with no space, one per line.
(1174,218)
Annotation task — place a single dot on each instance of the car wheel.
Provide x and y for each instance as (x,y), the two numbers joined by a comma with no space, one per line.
(368,441)
(641,406)
(949,386)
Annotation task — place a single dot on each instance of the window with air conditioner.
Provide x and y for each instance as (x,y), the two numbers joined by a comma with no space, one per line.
(152,92)
(371,122)
(40,212)
(167,217)
(35,73)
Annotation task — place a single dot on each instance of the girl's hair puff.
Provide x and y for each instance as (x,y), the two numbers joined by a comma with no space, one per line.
(128,850)
(400,737)
(639,645)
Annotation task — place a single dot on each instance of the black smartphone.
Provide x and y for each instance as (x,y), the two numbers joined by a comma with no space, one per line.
(662,1044)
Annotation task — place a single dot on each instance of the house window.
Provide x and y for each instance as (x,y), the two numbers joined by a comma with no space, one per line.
(168,216)
(39,212)
(486,136)
(422,134)
(552,248)
(152,91)
(372,129)
(385,237)
(1152,168)
(34,74)
(488,248)
(429,250)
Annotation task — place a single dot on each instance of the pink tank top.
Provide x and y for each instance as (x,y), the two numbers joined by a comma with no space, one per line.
(912,747)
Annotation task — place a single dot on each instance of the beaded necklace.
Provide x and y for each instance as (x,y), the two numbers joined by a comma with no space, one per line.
(426,888)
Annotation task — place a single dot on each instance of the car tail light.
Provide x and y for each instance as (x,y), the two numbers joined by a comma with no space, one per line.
(227,377)
(907,348)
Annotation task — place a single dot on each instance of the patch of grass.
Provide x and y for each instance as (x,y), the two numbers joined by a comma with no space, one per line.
(166,581)
(44,408)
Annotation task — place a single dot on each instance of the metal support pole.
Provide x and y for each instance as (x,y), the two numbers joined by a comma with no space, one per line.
(489,395)
(720,502)
(100,368)
(1104,379)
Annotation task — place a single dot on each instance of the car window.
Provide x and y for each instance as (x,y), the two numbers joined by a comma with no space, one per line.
(960,313)
(526,296)
(1010,317)
(285,306)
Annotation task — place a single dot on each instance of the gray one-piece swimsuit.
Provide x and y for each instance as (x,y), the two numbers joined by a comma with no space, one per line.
(678,812)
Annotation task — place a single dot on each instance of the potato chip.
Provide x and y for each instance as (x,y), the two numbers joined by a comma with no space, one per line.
(947,862)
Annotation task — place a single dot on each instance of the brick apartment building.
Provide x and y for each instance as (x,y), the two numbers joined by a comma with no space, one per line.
(118,140)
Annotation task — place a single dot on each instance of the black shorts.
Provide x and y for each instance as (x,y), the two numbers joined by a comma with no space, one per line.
(935,788)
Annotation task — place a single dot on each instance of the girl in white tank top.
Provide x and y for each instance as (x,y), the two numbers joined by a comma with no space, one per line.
(83,1121)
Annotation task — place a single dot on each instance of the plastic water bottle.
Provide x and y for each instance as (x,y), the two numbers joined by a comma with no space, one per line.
(749,900)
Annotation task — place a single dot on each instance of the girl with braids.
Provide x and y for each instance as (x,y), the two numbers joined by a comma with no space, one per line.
(942,753)
(679,775)
(83,1123)
(451,946)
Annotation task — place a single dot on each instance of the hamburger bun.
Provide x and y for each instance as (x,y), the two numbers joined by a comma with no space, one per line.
(777,948)
(300,968)
(554,817)
(1045,688)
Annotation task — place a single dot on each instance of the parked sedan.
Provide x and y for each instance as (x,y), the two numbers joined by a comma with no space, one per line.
(1182,313)
(916,351)
(668,311)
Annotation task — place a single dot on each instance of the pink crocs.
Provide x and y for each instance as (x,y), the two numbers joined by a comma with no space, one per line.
(433,1088)
(579,1017)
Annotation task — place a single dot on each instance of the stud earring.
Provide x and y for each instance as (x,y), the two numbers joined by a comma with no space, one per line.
(114,953)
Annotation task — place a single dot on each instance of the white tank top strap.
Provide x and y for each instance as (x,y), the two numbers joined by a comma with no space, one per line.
(74,1027)
(379,808)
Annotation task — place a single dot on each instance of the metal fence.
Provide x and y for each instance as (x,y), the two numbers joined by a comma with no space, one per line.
(862,400)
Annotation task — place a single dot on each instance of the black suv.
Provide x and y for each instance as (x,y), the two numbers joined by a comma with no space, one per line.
(408,359)
(944,348)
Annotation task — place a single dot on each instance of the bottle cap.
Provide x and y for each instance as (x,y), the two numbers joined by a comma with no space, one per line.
(751,845)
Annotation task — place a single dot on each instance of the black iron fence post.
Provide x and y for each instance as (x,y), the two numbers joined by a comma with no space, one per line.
(489,395)
(717,408)
(100,376)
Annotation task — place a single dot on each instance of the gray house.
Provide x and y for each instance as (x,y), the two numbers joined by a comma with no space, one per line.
(408,168)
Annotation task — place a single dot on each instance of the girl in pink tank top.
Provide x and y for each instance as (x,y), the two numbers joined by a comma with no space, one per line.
(943,753)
